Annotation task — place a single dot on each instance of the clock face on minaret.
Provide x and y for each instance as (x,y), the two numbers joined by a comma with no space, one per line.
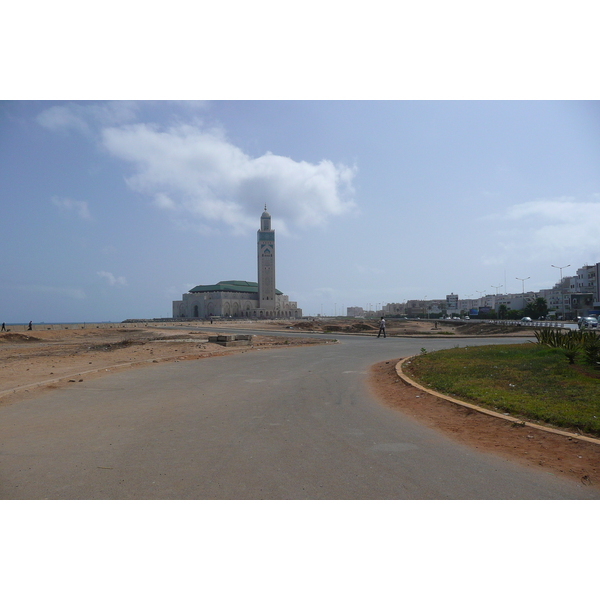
(266,262)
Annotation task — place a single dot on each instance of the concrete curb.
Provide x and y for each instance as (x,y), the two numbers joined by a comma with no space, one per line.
(486,411)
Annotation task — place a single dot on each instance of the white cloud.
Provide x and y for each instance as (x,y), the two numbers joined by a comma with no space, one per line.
(163,201)
(80,207)
(200,175)
(111,279)
(551,227)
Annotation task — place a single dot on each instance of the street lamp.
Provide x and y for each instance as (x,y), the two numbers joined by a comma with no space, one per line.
(562,295)
(523,280)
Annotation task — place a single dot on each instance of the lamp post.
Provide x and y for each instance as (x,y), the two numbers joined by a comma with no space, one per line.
(562,294)
(523,280)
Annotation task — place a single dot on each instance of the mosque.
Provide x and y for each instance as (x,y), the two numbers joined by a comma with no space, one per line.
(242,298)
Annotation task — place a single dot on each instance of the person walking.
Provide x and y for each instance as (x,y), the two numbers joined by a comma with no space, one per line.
(30,326)
(3,326)
(381,327)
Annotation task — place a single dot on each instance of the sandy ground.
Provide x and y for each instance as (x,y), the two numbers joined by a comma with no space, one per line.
(42,359)
(34,361)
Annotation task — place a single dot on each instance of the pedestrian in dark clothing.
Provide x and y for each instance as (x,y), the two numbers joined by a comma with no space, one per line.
(30,326)
(3,326)
(381,327)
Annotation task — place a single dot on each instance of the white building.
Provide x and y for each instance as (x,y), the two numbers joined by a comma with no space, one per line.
(235,298)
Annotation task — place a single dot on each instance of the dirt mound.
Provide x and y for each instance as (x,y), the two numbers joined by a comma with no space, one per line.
(488,329)
(361,327)
(354,328)
(18,337)
(306,325)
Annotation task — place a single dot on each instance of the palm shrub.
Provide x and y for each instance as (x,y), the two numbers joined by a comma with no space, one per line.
(591,348)
(549,337)
(572,343)
(571,347)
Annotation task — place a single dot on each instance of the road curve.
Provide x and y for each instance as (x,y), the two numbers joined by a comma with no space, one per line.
(285,423)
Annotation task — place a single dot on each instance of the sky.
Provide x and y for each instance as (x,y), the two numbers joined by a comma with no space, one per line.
(446,148)
(113,209)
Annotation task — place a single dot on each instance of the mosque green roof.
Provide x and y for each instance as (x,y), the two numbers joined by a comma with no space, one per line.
(249,287)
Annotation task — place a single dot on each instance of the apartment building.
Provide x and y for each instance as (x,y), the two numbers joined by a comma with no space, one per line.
(572,297)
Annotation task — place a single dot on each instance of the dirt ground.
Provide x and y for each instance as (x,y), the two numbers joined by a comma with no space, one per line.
(48,358)
(575,459)
(42,359)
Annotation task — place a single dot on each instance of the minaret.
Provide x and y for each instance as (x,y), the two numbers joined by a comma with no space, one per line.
(266,263)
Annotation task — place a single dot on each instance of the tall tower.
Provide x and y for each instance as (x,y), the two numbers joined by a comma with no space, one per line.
(266,263)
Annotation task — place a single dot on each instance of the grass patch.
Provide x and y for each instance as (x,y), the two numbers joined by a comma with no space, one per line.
(526,380)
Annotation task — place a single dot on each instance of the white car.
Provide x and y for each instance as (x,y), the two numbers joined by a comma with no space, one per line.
(588,322)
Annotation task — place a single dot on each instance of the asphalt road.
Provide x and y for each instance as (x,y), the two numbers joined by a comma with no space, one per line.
(287,423)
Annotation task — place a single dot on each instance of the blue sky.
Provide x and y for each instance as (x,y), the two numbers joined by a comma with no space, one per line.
(385,182)
(111,210)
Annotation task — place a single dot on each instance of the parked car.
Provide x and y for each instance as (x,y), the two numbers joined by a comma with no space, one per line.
(588,322)
(526,319)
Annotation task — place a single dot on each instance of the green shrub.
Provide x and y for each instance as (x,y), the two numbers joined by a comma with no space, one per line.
(591,348)
(572,343)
